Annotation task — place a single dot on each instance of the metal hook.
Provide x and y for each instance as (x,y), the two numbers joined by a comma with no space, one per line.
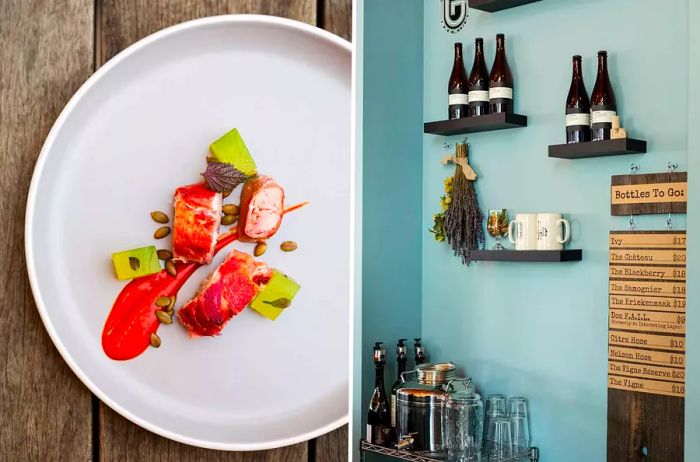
(634,168)
(446,145)
(672,166)
(669,223)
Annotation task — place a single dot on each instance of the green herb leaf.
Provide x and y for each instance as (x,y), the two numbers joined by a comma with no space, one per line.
(279,303)
(221,177)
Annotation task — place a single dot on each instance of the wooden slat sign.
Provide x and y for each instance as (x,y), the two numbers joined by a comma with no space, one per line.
(646,344)
(649,193)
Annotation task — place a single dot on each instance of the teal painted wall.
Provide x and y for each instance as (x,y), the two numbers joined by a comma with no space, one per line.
(539,330)
(392,115)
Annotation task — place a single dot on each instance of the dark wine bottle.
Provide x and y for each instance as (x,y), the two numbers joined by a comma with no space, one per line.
(420,352)
(479,82)
(603,106)
(578,107)
(401,359)
(379,429)
(458,98)
(501,80)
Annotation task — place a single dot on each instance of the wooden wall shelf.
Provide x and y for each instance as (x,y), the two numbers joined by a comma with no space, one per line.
(491,6)
(546,256)
(598,148)
(476,124)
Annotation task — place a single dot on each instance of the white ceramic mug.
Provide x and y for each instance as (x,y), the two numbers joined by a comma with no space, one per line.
(523,231)
(549,231)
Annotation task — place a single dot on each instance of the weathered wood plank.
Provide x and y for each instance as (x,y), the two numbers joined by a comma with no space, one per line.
(337,17)
(332,447)
(125,442)
(119,24)
(644,428)
(649,193)
(123,22)
(46,54)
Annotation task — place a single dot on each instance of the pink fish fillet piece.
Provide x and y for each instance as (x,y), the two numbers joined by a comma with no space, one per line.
(196,223)
(229,289)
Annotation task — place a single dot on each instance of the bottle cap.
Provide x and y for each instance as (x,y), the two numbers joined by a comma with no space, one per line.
(379,353)
(577,58)
(401,348)
(602,53)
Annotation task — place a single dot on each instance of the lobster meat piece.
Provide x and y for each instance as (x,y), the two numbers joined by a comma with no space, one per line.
(261,209)
(196,223)
(229,289)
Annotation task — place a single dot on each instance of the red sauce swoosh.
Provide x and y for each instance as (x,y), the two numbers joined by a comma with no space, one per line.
(132,320)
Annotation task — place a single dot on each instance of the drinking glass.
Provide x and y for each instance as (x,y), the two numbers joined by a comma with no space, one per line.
(463,425)
(495,407)
(517,412)
(497,226)
(501,447)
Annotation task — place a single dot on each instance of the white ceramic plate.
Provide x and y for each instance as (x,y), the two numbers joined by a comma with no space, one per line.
(140,127)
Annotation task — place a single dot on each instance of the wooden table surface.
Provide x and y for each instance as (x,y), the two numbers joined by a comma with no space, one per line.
(47,50)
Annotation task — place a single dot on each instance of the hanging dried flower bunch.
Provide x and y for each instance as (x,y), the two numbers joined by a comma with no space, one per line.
(463,218)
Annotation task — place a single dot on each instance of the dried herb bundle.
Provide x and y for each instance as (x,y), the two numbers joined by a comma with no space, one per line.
(463,219)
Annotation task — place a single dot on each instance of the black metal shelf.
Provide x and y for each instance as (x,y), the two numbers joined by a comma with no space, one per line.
(617,147)
(545,256)
(531,454)
(491,6)
(484,123)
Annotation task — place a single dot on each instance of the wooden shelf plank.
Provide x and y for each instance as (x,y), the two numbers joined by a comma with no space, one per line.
(483,123)
(551,256)
(598,148)
(491,6)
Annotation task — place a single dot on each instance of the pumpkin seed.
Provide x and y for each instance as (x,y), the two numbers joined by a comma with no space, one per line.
(163,302)
(159,217)
(164,254)
(260,249)
(230,209)
(227,220)
(170,268)
(279,303)
(134,263)
(161,232)
(171,312)
(155,340)
(288,246)
(172,303)
(164,317)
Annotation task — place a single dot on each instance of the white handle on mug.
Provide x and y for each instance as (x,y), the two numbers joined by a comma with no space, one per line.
(567,230)
(510,232)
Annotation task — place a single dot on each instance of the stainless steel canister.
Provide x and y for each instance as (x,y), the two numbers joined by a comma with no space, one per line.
(420,408)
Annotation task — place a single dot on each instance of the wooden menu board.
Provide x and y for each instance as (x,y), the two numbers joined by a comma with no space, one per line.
(649,193)
(646,345)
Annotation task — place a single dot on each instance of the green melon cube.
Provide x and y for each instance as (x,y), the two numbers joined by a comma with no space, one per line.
(230,149)
(135,263)
(276,296)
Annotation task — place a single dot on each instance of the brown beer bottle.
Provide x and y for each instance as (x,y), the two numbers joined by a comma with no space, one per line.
(578,107)
(458,98)
(501,80)
(603,106)
(479,82)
